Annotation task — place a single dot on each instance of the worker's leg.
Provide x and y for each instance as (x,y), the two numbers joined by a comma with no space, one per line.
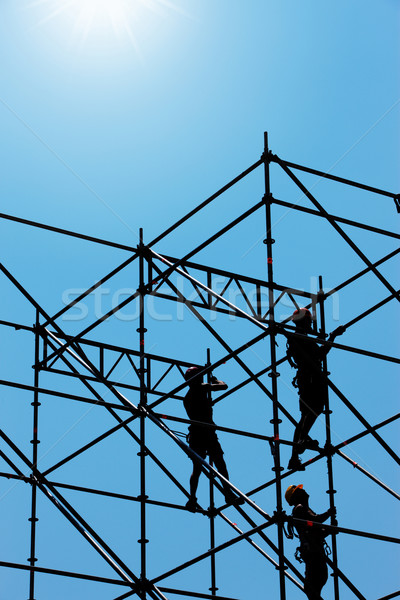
(220,465)
(219,462)
(316,576)
(217,456)
(194,478)
(299,432)
(195,443)
(306,422)
(311,406)
(323,574)
(295,462)
(312,402)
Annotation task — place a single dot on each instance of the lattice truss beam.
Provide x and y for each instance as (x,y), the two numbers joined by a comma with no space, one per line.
(208,293)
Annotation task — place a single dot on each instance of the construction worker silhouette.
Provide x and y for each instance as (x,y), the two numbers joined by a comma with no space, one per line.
(202,437)
(306,356)
(312,540)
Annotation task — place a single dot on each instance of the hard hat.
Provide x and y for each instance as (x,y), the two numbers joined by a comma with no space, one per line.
(300,314)
(191,372)
(290,491)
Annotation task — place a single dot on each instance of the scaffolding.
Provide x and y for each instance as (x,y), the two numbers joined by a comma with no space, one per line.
(76,358)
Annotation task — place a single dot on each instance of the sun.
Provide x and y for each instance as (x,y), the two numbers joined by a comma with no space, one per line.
(99,18)
(89,16)
(99,13)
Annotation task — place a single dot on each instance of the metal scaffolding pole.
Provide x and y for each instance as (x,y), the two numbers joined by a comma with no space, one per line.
(328,445)
(211,511)
(34,441)
(273,374)
(142,405)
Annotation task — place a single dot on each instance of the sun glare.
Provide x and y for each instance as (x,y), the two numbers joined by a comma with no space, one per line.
(99,13)
(101,17)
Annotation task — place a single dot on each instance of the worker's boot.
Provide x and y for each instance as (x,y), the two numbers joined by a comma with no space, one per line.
(311,444)
(231,498)
(191,504)
(301,446)
(295,464)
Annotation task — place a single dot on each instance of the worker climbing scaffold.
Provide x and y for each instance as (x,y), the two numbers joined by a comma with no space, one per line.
(305,355)
(202,437)
(313,548)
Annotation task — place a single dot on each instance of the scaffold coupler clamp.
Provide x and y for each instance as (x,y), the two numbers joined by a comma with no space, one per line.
(328,450)
(211,512)
(268,198)
(33,478)
(278,516)
(272,444)
(29,479)
(266,156)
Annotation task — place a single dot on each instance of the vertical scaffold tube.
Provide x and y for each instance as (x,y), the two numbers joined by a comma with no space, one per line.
(213,589)
(331,490)
(274,374)
(143,402)
(34,441)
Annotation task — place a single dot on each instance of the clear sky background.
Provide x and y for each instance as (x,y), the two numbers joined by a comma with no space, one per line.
(115,120)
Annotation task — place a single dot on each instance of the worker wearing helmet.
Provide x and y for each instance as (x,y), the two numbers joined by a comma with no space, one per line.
(312,540)
(202,437)
(306,356)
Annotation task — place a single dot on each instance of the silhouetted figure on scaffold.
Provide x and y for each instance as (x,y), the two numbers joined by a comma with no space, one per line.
(306,356)
(203,439)
(312,549)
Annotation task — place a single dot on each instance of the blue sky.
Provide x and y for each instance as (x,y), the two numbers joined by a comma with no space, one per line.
(105,130)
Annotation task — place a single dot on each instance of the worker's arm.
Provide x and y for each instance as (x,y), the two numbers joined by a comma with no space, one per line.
(215,384)
(331,512)
(338,331)
(289,353)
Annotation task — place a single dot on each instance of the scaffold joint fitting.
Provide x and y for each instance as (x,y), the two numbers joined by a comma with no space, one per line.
(328,450)
(274,374)
(277,469)
(142,453)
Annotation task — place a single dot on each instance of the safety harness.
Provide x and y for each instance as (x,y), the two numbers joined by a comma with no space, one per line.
(304,548)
